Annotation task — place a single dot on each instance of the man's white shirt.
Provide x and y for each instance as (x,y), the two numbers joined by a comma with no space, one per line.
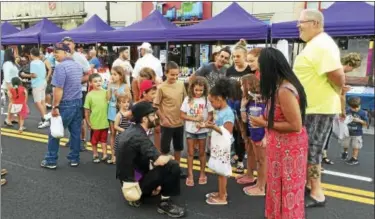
(148,60)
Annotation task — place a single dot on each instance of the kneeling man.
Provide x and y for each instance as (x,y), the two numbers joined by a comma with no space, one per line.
(142,169)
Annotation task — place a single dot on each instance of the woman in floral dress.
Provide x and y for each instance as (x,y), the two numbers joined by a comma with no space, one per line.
(287,140)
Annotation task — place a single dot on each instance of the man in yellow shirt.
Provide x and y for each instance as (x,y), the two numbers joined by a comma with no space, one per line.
(319,69)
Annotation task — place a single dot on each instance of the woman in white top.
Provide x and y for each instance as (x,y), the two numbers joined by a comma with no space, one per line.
(10,71)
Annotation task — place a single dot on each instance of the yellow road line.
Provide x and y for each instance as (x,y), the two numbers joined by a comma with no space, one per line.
(43,139)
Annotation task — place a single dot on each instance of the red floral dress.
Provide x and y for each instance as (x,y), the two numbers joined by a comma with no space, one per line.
(286,170)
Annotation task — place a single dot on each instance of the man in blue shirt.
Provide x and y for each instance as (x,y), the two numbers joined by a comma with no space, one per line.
(67,103)
(94,61)
(38,75)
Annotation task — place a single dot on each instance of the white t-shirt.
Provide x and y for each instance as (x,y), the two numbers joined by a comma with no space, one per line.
(148,60)
(198,106)
(81,59)
(10,71)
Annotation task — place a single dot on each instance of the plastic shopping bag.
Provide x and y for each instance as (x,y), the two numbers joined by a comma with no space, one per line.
(57,127)
(340,127)
(220,153)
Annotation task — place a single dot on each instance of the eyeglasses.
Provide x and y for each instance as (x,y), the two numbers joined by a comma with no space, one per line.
(306,21)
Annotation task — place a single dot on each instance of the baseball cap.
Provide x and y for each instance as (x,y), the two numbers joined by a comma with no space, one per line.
(69,39)
(141,110)
(146,85)
(61,46)
(145,45)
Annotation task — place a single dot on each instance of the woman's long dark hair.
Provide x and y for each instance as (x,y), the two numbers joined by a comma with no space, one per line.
(9,56)
(274,68)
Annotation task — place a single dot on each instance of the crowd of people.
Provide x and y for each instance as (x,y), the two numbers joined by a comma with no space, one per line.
(284,139)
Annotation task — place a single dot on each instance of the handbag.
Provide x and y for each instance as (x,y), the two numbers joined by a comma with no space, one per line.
(131,191)
(219,160)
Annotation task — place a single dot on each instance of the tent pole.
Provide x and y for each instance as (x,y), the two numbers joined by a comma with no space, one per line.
(167,53)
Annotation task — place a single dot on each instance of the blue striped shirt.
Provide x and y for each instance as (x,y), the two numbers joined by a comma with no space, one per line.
(68,75)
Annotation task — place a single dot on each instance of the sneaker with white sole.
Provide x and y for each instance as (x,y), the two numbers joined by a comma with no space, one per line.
(45,124)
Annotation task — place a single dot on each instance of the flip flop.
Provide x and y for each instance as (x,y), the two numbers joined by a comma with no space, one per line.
(213,194)
(202,180)
(189,182)
(246,180)
(215,201)
(249,193)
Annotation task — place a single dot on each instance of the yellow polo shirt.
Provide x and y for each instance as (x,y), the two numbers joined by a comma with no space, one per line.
(320,56)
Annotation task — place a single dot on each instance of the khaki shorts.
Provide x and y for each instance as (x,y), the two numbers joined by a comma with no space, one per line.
(355,142)
(39,93)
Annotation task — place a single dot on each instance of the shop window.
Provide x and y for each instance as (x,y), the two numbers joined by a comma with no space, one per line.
(317,5)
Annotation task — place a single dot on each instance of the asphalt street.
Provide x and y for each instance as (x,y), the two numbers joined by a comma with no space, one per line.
(91,190)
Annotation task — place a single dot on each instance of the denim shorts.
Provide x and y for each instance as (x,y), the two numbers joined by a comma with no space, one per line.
(196,135)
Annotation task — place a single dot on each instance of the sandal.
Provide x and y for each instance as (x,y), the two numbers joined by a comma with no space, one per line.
(246,180)
(254,191)
(326,160)
(189,182)
(202,180)
(215,201)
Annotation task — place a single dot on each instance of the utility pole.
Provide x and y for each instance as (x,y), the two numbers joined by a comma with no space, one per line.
(108,8)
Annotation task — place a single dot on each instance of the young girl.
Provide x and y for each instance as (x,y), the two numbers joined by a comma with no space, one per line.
(219,94)
(121,122)
(256,152)
(116,88)
(18,95)
(195,109)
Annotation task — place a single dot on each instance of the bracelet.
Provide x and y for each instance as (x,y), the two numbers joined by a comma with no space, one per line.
(243,109)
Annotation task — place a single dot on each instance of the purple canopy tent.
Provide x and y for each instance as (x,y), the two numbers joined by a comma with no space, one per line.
(31,35)
(231,24)
(85,33)
(7,28)
(340,19)
(151,29)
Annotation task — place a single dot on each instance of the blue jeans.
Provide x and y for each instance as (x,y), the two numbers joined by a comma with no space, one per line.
(71,114)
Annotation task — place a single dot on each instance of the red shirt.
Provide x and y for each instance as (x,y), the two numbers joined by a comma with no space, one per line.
(18,95)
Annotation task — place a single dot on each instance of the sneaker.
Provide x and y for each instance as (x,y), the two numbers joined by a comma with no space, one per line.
(3,182)
(352,161)
(344,155)
(74,163)
(47,165)
(45,124)
(240,169)
(172,210)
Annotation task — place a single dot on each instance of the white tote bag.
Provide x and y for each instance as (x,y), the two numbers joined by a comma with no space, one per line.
(220,152)
(57,127)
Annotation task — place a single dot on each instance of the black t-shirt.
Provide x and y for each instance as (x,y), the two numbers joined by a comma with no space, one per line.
(236,75)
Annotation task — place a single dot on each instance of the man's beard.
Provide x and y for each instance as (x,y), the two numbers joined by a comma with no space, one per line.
(153,124)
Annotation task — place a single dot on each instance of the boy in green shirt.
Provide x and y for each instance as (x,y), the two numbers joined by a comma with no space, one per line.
(96,106)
